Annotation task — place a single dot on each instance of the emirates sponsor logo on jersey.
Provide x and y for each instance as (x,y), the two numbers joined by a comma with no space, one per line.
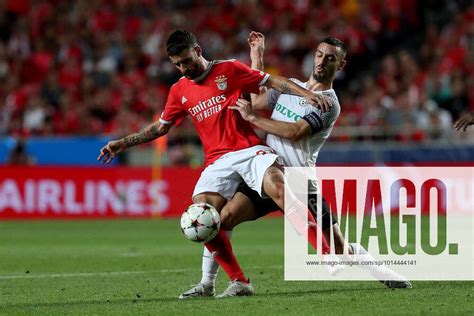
(221,82)
(207,108)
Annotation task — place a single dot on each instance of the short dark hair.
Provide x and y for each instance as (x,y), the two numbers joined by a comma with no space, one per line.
(180,40)
(333,41)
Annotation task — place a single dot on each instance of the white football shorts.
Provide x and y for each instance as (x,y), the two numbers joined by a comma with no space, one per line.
(224,175)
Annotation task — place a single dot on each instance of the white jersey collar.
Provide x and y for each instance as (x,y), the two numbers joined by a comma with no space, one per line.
(320,91)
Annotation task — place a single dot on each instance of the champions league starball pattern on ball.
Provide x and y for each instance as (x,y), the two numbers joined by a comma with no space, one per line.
(200,222)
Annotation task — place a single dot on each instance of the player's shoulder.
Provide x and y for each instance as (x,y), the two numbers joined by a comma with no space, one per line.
(223,61)
(226,62)
(177,87)
(336,107)
(230,63)
(334,110)
(179,83)
(330,93)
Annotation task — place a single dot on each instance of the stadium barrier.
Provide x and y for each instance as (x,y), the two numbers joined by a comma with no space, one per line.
(83,151)
(58,151)
(94,192)
(99,192)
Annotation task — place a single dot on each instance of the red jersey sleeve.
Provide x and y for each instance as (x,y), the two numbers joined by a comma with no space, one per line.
(174,112)
(250,79)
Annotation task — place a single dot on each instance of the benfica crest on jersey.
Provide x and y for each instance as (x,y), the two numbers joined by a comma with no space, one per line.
(221,82)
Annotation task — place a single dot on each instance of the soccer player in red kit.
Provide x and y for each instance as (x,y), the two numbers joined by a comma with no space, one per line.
(232,149)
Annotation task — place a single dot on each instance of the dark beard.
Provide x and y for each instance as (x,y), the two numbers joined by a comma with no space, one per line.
(319,78)
(191,75)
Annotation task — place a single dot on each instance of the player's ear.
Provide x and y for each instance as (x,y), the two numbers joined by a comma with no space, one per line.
(342,64)
(198,50)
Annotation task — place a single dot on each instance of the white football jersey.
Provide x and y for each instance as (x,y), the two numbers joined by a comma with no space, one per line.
(291,108)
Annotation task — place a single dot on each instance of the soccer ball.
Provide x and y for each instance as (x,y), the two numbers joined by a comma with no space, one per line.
(200,222)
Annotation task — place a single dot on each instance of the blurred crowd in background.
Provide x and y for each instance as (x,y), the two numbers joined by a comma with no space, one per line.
(100,67)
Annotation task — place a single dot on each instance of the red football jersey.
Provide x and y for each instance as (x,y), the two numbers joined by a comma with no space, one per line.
(207,98)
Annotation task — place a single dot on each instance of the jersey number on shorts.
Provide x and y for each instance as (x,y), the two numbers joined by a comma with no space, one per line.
(264,152)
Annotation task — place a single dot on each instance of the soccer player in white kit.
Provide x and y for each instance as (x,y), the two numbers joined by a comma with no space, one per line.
(296,131)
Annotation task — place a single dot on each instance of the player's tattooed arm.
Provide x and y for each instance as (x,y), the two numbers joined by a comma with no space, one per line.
(149,133)
(287,86)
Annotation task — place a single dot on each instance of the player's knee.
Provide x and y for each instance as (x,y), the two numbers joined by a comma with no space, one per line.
(281,193)
(277,193)
(274,185)
(228,219)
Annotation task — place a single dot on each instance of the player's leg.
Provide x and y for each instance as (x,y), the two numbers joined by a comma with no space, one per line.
(204,288)
(238,210)
(216,185)
(213,198)
(259,168)
(328,221)
(220,246)
(209,268)
(355,251)
(219,252)
(274,186)
(340,245)
(385,275)
(246,205)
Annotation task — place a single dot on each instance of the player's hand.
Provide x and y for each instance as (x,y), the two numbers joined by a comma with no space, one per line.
(256,42)
(109,151)
(464,121)
(245,108)
(320,101)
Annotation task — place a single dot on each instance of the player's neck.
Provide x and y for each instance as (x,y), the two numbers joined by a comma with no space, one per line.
(205,69)
(314,85)
(205,63)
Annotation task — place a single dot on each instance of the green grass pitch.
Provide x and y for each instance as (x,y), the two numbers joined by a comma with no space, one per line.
(141,266)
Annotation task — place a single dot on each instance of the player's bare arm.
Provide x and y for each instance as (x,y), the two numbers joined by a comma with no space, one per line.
(464,121)
(149,133)
(291,131)
(285,85)
(256,42)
